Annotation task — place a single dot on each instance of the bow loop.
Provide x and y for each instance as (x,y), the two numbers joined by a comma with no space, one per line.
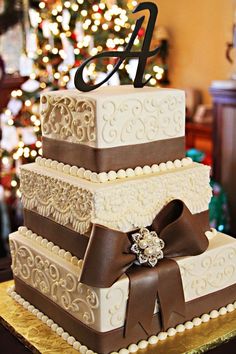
(107,257)
(181,232)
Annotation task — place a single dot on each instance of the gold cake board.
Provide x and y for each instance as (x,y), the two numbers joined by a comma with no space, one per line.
(38,337)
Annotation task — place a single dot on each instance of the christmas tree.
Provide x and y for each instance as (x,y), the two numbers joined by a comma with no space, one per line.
(60,34)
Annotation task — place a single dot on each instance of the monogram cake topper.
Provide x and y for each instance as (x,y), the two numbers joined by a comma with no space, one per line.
(142,55)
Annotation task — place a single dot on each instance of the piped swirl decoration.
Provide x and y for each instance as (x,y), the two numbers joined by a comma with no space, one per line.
(68,118)
(181,235)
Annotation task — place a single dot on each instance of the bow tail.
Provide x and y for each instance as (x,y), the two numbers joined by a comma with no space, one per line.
(142,298)
(170,294)
(146,286)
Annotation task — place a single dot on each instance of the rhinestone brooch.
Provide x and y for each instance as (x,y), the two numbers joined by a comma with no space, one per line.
(147,246)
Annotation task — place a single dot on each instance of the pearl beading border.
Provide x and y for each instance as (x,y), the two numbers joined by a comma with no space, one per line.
(132,348)
(66,255)
(104,177)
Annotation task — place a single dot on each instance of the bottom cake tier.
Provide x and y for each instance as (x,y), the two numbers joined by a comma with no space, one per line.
(47,278)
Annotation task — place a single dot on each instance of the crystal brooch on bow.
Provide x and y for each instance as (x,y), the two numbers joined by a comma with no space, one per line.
(147,246)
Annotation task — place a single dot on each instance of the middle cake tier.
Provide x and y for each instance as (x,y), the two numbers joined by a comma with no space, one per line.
(123,205)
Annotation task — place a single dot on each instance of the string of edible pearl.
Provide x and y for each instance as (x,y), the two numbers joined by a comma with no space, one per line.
(24,231)
(132,348)
(112,175)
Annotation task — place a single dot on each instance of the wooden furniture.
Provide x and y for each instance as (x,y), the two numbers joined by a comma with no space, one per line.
(224,145)
(199,136)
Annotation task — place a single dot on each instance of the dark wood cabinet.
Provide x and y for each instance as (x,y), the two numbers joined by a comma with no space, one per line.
(224,145)
(199,136)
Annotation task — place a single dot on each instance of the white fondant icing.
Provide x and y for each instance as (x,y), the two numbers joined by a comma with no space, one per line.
(113,117)
(212,270)
(123,204)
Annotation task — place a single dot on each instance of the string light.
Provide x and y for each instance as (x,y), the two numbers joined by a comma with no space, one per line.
(67,4)
(5,160)
(59,8)
(153,81)
(94,51)
(54,12)
(66,78)
(84,13)
(42,5)
(62,53)
(21,144)
(38,144)
(109,67)
(14,93)
(33,118)
(105,26)
(95,8)
(10,121)
(94,28)
(75,7)
(45,59)
(43,85)
(33,153)
(159,76)
(13,183)
(59,18)
(28,103)
(57,75)
(37,122)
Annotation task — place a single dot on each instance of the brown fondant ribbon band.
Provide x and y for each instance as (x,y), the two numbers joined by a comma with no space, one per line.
(107,342)
(115,158)
(71,240)
(60,235)
(182,235)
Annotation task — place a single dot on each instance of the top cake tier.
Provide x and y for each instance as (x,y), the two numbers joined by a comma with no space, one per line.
(113,128)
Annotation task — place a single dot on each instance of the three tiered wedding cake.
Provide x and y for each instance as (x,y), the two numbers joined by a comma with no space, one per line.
(116,247)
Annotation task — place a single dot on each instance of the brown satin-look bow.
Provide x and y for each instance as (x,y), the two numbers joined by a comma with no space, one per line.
(108,256)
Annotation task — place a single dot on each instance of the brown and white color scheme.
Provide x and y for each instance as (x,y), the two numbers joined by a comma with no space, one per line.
(114,169)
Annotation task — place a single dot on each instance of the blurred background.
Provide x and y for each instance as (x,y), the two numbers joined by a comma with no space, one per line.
(43,42)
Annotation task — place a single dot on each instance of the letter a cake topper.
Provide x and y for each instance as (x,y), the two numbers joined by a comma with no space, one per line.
(142,55)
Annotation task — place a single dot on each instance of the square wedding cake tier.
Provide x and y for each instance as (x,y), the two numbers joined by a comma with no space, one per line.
(122,204)
(114,214)
(55,275)
(114,127)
